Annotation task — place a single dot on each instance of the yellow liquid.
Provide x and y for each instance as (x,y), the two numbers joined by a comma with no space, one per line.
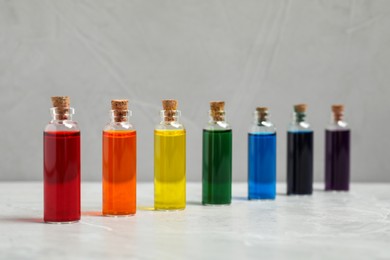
(169,169)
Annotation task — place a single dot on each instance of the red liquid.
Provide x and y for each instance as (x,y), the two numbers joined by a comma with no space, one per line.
(61,176)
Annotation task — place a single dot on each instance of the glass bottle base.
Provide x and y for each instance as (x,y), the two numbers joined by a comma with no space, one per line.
(169,209)
(261,198)
(61,222)
(216,205)
(299,194)
(118,215)
(337,190)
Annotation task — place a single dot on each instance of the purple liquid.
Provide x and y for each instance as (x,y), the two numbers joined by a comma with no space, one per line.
(337,156)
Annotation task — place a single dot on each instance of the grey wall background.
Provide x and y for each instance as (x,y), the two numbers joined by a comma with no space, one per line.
(246,52)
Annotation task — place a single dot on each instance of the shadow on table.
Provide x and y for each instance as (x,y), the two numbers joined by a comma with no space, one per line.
(21,220)
(194,203)
(145,208)
(150,208)
(239,198)
(92,214)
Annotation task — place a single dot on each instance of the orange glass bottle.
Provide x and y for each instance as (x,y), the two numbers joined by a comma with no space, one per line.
(119,162)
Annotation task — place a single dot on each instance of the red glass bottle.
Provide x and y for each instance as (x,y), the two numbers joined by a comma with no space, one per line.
(61,165)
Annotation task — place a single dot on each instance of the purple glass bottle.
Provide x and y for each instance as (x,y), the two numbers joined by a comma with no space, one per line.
(337,152)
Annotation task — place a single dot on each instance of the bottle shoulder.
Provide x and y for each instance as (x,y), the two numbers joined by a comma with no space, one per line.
(62,125)
(265,127)
(112,126)
(338,126)
(299,127)
(169,126)
(217,126)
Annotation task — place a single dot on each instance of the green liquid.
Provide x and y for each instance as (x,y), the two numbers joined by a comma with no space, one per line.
(217,167)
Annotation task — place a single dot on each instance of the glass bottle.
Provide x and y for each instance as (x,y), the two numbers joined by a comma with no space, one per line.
(119,162)
(61,155)
(337,152)
(217,158)
(299,154)
(262,157)
(169,160)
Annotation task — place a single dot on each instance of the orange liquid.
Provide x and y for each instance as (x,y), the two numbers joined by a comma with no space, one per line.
(119,172)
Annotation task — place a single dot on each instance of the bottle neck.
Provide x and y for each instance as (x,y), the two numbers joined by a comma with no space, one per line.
(337,120)
(299,117)
(170,116)
(260,118)
(337,117)
(299,122)
(217,116)
(62,114)
(119,116)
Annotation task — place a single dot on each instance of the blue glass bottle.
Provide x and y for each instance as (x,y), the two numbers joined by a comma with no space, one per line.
(261,157)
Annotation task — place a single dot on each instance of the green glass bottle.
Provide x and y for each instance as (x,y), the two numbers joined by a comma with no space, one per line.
(217,158)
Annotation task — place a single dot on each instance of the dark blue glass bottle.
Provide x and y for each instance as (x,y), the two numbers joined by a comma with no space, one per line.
(299,154)
(262,157)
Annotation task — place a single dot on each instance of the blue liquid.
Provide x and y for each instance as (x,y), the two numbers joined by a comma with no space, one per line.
(261,166)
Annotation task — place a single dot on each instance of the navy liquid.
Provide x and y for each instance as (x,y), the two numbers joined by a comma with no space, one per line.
(337,156)
(300,162)
(261,165)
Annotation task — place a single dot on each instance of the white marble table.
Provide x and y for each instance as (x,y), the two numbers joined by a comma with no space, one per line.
(354,225)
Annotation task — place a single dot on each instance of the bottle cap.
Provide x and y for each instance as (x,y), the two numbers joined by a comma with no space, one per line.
(337,108)
(217,105)
(300,108)
(119,104)
(262,109)
(61,102)
(169,104)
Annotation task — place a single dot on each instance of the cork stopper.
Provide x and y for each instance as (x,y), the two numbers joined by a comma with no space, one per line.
(170,107)
(338,111)
(60,102)
(217,110)
(169,104)
(119,104)
(120,109)
(62,105)
(300,108)
(262,113)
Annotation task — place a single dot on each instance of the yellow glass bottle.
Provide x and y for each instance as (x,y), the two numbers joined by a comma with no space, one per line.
(169,160)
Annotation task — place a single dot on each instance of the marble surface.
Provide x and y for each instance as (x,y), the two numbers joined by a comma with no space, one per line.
(249,53)
(327,225)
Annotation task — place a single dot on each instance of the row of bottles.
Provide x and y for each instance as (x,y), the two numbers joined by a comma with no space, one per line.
(262,154)
(119,159)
